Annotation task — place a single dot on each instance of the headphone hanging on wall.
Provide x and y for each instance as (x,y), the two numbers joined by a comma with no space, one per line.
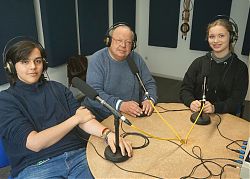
(108,37)
(9,64)
(234,33)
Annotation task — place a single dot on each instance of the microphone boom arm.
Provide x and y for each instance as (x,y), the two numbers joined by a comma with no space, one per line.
(143,86)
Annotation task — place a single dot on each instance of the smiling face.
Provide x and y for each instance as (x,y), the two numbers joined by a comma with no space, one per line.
(219,40)
(122,41)
(30,70)
(218,35)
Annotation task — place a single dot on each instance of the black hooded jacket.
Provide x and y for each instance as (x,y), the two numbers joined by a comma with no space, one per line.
(227,83)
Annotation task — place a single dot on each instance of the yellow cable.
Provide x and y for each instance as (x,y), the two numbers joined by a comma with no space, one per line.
(173,130)
(151,135)
(186,138)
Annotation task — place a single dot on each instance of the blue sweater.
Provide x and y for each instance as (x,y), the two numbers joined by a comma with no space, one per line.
(114,81)
(25,108)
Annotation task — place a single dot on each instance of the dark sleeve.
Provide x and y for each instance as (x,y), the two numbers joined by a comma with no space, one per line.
(189,83)
(238,91)
(14,126)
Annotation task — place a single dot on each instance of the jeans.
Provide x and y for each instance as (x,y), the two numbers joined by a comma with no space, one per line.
(70,165)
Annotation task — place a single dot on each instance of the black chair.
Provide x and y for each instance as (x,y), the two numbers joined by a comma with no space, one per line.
(240,111)
(4,161)
(242,108)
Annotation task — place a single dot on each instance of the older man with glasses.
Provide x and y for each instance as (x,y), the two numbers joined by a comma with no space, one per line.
(110,75)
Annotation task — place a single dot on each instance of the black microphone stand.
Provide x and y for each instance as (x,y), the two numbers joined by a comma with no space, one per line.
(117,156)
(203,119)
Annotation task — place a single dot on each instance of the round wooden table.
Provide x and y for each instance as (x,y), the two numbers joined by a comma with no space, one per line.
(166,159)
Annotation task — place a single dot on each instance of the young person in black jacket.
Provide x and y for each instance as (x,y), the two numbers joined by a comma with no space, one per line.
(227,76)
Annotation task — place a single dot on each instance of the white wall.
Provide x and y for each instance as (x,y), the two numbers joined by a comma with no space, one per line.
(166,62)
(173,62)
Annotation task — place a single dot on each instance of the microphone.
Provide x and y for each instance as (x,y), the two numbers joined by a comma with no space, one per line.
(204,119)
(135,71)
(92,94)
(204,87)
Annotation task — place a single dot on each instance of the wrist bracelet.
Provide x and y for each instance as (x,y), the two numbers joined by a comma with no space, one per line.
(103,131)
(106,136)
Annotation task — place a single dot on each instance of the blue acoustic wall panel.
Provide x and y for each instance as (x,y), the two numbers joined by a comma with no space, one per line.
(204,12)
(93,24)
(17,18)
(246,43)
(59,28)
(163,23)
(124,11)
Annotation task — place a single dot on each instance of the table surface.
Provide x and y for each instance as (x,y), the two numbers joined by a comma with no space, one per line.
(166,159)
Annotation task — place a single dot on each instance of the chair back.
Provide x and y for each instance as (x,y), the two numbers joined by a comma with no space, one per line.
(4,161)
(240,110)
(77,67)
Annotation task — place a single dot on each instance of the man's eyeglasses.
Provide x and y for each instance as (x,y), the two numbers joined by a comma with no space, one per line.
(120,42)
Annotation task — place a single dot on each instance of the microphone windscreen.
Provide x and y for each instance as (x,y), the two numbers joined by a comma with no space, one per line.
(132,66)
(84,87)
